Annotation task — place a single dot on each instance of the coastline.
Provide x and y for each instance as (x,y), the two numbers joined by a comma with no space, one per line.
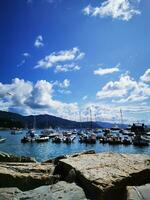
(98,175)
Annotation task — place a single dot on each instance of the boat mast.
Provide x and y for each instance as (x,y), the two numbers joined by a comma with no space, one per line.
(91,117)
(34,121)
(80,120)
(95,117)
(121,115)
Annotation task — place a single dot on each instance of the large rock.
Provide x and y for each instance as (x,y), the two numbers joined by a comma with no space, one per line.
(61,190)
(106,175)
(26,176)
(5,157)
(138,192)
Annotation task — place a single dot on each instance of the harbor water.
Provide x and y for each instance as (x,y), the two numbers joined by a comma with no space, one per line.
(47,150)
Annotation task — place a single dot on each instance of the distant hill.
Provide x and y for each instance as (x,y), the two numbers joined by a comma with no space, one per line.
(9,120)
(110,125)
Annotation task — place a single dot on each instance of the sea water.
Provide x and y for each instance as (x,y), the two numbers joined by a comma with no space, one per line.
(47,150)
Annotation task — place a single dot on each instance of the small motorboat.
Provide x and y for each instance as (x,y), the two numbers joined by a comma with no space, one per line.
(42,138)
(91,139)
(26,139)
(2,139)
(68,139)
(114,140)
(30,136)
(126,141)
(103,140)
(57,139)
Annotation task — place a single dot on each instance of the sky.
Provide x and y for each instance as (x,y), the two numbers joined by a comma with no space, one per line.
(65,57)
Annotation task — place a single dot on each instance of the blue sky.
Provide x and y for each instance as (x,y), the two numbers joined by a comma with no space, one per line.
(63,57)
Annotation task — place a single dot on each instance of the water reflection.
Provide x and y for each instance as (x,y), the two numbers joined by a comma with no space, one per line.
(47,150)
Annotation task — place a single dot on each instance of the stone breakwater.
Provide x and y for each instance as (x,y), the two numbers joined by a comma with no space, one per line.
(87,175)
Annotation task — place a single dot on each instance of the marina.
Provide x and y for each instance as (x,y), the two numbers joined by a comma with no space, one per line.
(50,143)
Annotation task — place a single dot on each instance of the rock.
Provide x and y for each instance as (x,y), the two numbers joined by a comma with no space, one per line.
(106,175)
(138,192)
(60,190)
(5,157)
(71,176)
(26,176)
(88,152)
(9,193)
(84,152)
(56,160)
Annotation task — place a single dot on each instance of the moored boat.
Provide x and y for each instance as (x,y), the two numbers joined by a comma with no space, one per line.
(114,140)
(103,140)
(42,139)
(2,139)
(57,139)
(30,136)
(68,139)
(126,141)
(139,140)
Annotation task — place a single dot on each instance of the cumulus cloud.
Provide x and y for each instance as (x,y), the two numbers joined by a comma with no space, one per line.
(124,90)
(64,84)
(28,98)
(67,68)
(63,91)
(117,9)
(59,57)
(17,92)
(111,112)
(146,76)
(103,71)
(39,41)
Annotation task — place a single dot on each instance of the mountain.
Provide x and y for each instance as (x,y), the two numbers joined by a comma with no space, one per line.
(110,125)
(9,120)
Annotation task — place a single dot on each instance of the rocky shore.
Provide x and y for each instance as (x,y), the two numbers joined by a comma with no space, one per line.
(87,175)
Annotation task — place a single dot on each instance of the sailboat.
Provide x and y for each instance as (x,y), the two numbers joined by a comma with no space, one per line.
(30,135)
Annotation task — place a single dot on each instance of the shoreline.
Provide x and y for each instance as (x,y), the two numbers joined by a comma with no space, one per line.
(99,175)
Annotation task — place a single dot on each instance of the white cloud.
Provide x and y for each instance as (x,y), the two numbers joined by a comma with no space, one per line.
(117,9)
(67,68)
(62,91)
(21,63)
(39,41)
(17,92)
(103,71)
(111,112)
(85,97)
(126,89)
(65,83)
(28,98)
(60,57)
(26,54)
(146,76)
